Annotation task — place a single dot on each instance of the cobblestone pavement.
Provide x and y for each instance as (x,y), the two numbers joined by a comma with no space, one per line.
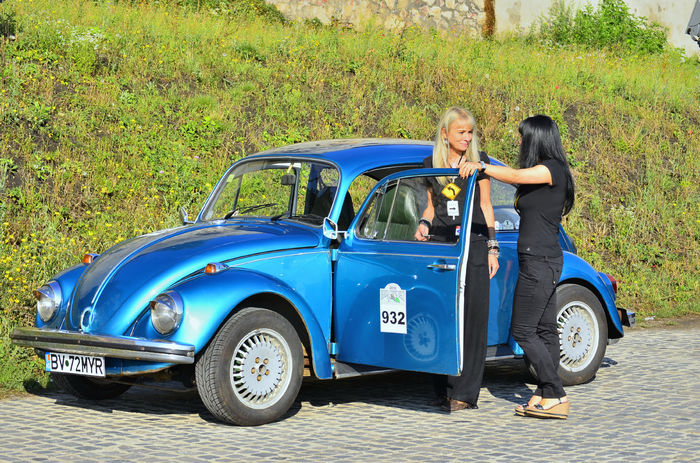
(642,406)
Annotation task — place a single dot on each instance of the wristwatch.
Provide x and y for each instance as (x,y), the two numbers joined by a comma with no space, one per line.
(483,166)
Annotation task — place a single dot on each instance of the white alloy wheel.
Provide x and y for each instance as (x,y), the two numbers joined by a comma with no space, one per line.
(578,335)
(260,368)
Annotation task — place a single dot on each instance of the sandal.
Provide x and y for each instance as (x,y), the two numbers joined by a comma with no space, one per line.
(558,410)
(520,409)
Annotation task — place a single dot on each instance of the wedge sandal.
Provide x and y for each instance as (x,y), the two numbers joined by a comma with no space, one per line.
(559,410)
(520,409)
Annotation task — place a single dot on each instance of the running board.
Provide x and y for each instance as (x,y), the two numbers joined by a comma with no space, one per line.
(500,352)
(348,370)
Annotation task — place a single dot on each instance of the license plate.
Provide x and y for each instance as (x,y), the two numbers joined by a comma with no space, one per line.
(75,364)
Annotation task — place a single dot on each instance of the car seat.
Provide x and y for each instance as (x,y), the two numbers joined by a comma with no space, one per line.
(404,215)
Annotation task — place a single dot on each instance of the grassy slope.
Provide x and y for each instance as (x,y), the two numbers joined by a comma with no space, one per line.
(112,116)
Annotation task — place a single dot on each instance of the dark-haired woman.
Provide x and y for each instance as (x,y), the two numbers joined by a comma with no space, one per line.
(545,193)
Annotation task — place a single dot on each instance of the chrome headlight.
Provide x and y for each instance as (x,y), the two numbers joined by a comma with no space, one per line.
(48,300)
(166,312)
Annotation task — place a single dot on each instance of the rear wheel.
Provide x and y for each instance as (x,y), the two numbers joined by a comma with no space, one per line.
(583,334)
(89,388)
(251,372)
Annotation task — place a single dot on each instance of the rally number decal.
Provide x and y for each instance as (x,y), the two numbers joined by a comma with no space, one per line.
(392,309)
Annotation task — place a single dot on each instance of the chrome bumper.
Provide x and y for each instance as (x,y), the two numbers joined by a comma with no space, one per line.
(72,342)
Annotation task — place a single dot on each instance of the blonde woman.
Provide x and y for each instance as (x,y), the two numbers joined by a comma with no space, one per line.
(455,144)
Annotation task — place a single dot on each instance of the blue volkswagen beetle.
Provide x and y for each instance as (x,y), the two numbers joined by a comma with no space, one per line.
(301,262)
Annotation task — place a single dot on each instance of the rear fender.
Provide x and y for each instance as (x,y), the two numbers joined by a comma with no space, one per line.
(209,300)
(578,271)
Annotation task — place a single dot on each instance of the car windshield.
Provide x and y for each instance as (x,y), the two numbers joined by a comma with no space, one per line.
(297,189)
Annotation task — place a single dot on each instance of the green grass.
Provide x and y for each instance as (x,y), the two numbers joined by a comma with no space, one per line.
(113,115)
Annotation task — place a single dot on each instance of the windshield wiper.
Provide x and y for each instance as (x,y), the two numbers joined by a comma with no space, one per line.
(248,209)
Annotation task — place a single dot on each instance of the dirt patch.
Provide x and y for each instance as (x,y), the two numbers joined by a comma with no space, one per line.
(11,393)
(687,322)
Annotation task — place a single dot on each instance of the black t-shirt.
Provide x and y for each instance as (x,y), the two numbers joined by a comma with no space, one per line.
(540,207)
(445,227)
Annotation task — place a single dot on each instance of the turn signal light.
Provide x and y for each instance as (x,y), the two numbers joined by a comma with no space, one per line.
(214,267)
(88,258)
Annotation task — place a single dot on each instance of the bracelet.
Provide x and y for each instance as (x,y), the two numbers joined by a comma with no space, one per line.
(494,252)
(425,222)
(492,244)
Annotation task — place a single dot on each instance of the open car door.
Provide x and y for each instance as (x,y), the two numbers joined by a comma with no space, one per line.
(398,301)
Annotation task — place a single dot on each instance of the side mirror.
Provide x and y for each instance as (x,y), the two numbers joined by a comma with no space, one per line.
(330,230)
(288,179)
(183,216)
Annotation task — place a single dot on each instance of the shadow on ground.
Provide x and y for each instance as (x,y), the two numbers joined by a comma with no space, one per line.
(506,380)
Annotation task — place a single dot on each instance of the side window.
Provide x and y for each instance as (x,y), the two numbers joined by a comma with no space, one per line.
(359,189)
(502,198)
(394,211)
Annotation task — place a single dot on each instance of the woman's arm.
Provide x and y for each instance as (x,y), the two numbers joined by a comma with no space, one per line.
(429,214)
(487,209)
(531,175)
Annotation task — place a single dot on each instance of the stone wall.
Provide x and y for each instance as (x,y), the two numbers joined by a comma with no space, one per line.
(462,15)
(468,15)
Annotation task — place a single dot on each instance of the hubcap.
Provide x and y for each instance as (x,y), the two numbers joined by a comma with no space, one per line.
(578,335)
(260,368)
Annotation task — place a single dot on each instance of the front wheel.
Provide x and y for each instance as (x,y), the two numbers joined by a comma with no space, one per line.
(251,372)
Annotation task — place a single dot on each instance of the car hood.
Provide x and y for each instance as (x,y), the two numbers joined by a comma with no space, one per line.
(118,285)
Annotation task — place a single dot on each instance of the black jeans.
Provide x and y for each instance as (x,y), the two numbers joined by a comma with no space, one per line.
(534,323)
(466,386)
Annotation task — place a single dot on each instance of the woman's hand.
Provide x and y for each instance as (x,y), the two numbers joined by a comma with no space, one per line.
(493,265)
(468,168)
(423,233)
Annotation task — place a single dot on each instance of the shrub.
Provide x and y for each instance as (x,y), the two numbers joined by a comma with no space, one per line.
(611,25)
(8,24)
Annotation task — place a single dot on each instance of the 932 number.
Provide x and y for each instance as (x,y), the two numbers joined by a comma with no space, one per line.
(393,318)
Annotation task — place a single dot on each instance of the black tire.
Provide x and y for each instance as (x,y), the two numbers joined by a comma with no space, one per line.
(89,388)
(251,372)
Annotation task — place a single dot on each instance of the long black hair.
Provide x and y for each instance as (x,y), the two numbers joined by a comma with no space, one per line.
(541,141)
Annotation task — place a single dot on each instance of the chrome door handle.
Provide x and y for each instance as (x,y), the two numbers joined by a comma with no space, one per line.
(442,266)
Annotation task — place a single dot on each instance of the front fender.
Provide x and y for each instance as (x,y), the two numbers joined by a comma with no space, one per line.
(208,301)
(577,270)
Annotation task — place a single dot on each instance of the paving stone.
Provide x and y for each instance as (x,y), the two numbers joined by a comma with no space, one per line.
(642,406)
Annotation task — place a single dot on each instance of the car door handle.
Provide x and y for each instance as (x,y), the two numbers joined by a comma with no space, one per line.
(442,266)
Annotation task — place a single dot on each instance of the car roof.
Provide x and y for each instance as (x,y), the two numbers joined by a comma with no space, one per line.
(361,155)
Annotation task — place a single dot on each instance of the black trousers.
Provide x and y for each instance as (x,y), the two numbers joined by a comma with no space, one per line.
(466,386)
(534,324)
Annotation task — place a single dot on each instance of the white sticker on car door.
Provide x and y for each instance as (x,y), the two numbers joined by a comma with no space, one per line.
(392,309)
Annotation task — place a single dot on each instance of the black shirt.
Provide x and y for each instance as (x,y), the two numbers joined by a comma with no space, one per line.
(445,228)
(540,207)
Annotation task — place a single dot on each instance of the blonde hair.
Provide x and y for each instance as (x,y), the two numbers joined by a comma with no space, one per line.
(441,148)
